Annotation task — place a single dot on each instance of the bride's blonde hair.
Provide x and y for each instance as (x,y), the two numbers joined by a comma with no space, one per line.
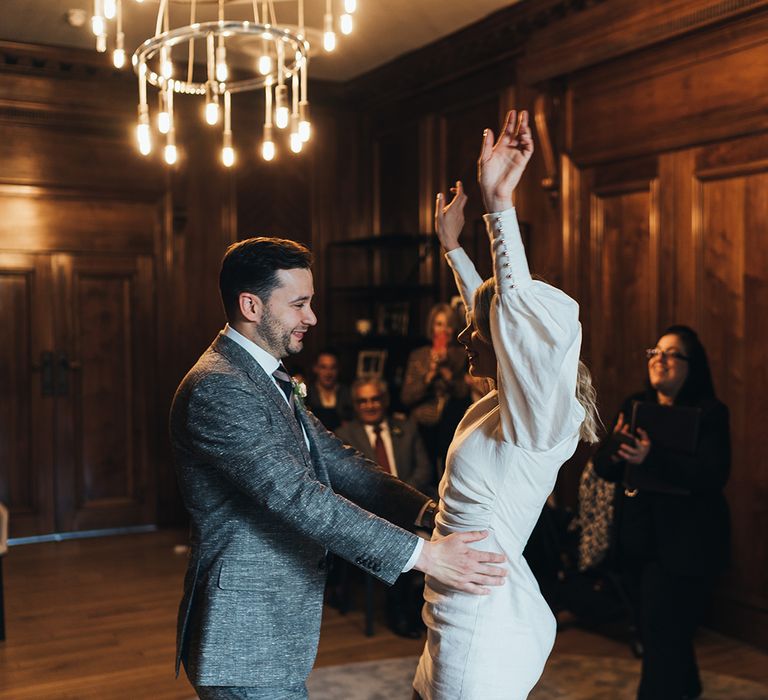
(585,390)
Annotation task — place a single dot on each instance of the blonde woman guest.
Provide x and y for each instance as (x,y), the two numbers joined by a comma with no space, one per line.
(524,335)
(434,389)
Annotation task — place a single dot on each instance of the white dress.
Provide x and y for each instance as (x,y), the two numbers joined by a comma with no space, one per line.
(501,466)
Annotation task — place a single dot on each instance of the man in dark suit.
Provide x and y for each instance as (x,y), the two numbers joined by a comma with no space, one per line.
(396,446)
(270,492)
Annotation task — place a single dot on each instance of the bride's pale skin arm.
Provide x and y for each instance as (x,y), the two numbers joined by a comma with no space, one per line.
(501,165)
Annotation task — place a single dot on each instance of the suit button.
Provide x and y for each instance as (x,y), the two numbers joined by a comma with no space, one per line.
(321,565)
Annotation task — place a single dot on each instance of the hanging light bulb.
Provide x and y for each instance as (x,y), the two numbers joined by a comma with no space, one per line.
(296,142)
(265,64)
(169,154)
(143,134)
(98,25)
(118,58)
(329,36)
(163,116)
(118,55)
(110,8)
(281,106)
(222,72)
(304,126)
(305,129)
(227,152)
(346,24)
(350,6)
(268,145)
(211,104)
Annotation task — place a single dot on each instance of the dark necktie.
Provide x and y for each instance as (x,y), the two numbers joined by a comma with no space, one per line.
(381,451)
(283,380)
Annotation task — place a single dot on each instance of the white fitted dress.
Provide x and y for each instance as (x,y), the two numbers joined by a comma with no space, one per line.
(501,466)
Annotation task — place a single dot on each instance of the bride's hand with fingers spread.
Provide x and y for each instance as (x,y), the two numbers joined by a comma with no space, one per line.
(501,165)
(449,218)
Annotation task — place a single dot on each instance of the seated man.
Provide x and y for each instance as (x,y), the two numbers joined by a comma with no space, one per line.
(395,445)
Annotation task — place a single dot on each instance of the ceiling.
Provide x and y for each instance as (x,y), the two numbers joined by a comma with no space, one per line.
(384,29)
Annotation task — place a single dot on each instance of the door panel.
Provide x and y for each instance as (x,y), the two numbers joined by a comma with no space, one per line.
(730,210)
(101,413)
(26,406)
(623,239)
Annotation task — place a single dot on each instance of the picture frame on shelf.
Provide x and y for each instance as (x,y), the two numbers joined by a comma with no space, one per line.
(370,364)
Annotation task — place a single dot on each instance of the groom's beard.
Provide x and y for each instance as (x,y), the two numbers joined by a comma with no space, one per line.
(280,340)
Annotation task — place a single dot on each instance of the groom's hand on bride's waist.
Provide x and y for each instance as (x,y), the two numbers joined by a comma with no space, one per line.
(454,563)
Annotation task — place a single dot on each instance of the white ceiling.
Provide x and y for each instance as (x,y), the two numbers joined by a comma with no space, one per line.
(384,29)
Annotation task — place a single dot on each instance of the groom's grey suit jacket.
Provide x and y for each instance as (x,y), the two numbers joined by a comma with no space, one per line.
(264,510)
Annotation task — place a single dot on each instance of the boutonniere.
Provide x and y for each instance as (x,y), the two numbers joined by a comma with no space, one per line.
(299,391)
(396,430)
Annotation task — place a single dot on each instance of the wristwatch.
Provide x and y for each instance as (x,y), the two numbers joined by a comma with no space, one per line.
(427,520)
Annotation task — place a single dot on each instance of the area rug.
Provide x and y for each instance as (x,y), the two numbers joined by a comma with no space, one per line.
(567,677)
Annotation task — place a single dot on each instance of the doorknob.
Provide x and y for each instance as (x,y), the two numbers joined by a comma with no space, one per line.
(46,370)
(63,366)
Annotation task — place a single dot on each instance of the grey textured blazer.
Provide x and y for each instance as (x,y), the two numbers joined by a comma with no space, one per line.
(264,510)
(410,454)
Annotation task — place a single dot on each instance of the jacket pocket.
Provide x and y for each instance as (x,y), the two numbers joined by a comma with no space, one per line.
(243,575)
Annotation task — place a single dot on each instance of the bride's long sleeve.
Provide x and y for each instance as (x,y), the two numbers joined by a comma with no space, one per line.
(537,339)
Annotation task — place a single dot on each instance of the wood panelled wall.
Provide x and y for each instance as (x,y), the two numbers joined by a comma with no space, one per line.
(647,200)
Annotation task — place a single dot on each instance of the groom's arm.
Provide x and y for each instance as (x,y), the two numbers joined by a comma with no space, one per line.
(360,480)
(223,426)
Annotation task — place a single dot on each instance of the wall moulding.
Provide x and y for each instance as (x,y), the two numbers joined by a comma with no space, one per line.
(606,31)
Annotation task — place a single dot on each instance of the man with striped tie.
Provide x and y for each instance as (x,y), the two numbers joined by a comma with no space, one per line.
(270,492)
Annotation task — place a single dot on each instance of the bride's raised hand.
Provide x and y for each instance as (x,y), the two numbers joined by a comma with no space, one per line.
(449,219)
(501,166)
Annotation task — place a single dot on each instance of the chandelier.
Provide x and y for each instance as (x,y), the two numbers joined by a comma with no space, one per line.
(277,62)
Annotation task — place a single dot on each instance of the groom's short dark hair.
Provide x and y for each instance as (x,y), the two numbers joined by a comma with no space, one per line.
(251,266)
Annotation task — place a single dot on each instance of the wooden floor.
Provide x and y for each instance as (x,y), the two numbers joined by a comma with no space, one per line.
(95,619)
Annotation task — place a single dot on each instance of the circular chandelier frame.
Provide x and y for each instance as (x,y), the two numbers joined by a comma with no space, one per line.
(152,48)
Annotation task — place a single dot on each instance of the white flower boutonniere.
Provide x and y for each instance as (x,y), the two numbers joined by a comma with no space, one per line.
(299,391)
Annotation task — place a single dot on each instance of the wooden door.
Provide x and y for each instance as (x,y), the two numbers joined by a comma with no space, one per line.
(26,392)
(75,428)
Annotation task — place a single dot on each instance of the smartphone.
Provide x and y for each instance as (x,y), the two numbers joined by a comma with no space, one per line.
(440,343)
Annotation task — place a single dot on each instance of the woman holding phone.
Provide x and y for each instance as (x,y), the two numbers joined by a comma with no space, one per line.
(434,389)
(671,537)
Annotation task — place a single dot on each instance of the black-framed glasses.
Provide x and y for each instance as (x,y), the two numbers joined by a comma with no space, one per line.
(650,353)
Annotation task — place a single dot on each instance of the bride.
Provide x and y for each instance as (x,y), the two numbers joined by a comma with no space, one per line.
(502,464)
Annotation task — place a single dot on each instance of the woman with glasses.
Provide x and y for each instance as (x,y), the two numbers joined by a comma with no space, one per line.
(671,538)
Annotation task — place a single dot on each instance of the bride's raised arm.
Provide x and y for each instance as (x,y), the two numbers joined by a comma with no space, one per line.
(535,329)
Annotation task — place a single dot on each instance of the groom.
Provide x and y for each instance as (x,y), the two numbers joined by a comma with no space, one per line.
(270,492)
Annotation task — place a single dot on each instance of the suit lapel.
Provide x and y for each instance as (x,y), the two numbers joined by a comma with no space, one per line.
(241,358)
(311,426)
